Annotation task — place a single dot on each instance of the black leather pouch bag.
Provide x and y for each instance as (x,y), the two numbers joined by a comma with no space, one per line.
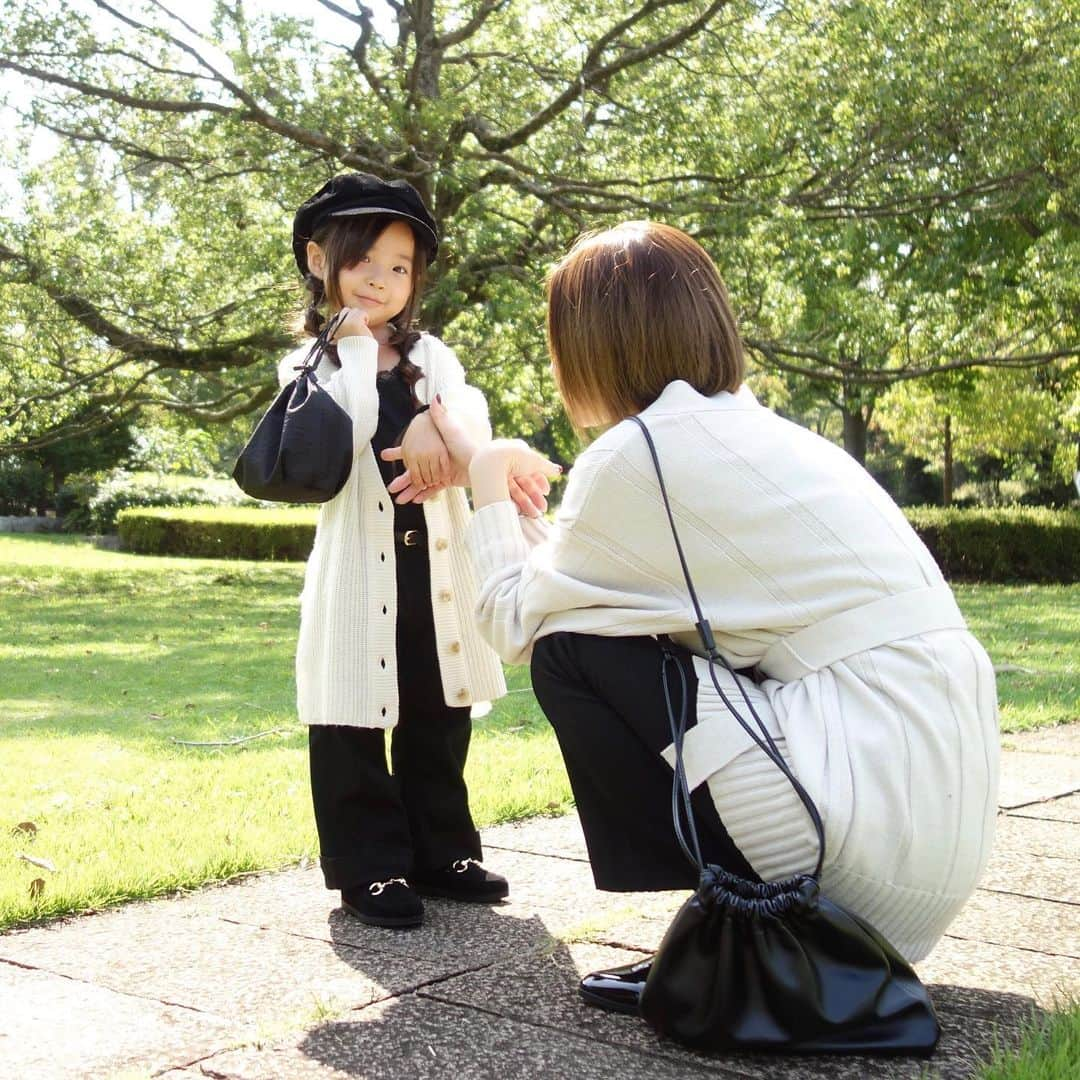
(777,965)
(301,450)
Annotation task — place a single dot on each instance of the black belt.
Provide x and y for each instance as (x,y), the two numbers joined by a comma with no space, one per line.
(409,537)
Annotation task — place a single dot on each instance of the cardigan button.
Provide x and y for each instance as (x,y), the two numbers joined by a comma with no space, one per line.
(455,646)
(446,595)
(463,695)
(442,544)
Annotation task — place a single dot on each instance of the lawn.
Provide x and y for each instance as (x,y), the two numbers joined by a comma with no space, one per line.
(114,665)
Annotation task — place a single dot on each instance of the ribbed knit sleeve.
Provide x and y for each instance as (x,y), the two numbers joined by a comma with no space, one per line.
(496,540)
(352,386)
(445,376)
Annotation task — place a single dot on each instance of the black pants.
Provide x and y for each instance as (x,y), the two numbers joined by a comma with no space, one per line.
(605,700)
(376,823)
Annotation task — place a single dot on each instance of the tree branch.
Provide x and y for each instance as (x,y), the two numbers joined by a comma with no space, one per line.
(593,73)
(463,33)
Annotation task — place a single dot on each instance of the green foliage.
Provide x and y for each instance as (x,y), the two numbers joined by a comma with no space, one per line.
(24,486)
(1048,1050)
(165,446)
(31,480)
(888,186)
(1007,544)
(90,505)
(223,533)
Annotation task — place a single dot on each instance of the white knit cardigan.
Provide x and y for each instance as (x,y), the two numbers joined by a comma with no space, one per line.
(880,700)
(346,662)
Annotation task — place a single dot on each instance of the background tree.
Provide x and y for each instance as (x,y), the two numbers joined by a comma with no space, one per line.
(889,187)
(963,417)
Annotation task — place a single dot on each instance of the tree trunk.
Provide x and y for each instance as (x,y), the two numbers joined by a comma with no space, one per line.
(947,476)
(855,425)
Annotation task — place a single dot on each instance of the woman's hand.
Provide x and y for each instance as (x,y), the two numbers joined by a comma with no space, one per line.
(503,465)
(351,322)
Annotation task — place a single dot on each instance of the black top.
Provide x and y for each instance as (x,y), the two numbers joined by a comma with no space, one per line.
(396,411)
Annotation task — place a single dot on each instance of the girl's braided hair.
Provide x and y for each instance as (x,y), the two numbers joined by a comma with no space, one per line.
(344,241)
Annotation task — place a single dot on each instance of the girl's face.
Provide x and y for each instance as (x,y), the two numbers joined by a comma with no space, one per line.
(381,283)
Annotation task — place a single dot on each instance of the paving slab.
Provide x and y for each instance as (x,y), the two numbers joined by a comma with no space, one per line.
(1033,778)
(1052,838)
(1061,739)
(1047,877)
(1022,922)
(428,1039)
(1065,808)
(265,978)
(260,978)
(543,994)
(1038,977)
(559,837)
(56,1027)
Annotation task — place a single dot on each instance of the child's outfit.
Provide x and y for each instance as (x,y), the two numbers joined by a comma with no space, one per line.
(388,641)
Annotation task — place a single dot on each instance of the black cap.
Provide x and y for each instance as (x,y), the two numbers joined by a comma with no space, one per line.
(348,194)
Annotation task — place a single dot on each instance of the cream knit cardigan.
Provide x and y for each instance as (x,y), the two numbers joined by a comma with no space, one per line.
(346,663)
(881,701)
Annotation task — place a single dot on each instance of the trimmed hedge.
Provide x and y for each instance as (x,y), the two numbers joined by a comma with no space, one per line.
(217,532)
(91,503)
(1016,543)
(1013,544)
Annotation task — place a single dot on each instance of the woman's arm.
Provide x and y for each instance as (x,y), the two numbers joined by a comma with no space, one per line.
(577,573)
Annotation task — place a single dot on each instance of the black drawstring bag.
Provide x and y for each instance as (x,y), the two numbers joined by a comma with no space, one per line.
(772,966)
(301,450)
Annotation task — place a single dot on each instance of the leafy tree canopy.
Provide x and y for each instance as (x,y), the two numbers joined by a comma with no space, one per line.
(888,186)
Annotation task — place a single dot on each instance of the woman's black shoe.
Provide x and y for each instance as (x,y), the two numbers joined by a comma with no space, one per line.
(616,989)
(463,879)
(384,903)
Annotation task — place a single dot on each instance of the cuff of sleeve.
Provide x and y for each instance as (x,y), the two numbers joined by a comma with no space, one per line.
(495,538)
(357,349)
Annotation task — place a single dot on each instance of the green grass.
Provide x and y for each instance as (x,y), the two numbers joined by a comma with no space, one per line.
(108,662)
(106,659)
(1049,1050)
(1034,632)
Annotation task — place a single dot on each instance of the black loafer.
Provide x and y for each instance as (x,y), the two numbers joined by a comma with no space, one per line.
(463,879)
(392,903)
(616,989)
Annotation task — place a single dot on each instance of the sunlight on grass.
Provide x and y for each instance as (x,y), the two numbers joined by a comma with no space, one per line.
(111,662)
(1049,1050)
(1033,632)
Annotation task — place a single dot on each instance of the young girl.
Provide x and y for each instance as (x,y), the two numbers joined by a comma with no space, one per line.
(848,640)
(387,637)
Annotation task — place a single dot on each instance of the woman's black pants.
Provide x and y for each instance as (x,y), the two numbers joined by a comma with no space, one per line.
(376,822)
(605,699)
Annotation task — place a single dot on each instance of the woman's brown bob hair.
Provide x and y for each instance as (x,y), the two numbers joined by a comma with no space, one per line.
(631,309)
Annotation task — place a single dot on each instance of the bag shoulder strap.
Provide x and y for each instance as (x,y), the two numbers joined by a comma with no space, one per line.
(319,346)
(765,740)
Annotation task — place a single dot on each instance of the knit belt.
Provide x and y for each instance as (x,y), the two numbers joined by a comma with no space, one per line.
(881,622)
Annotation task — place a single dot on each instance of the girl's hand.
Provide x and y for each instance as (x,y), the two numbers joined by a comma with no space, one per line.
(424,453)
(529,491)
(352,322)
(454,443)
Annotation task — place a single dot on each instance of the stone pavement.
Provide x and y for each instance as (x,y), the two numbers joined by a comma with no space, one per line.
(264,978)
